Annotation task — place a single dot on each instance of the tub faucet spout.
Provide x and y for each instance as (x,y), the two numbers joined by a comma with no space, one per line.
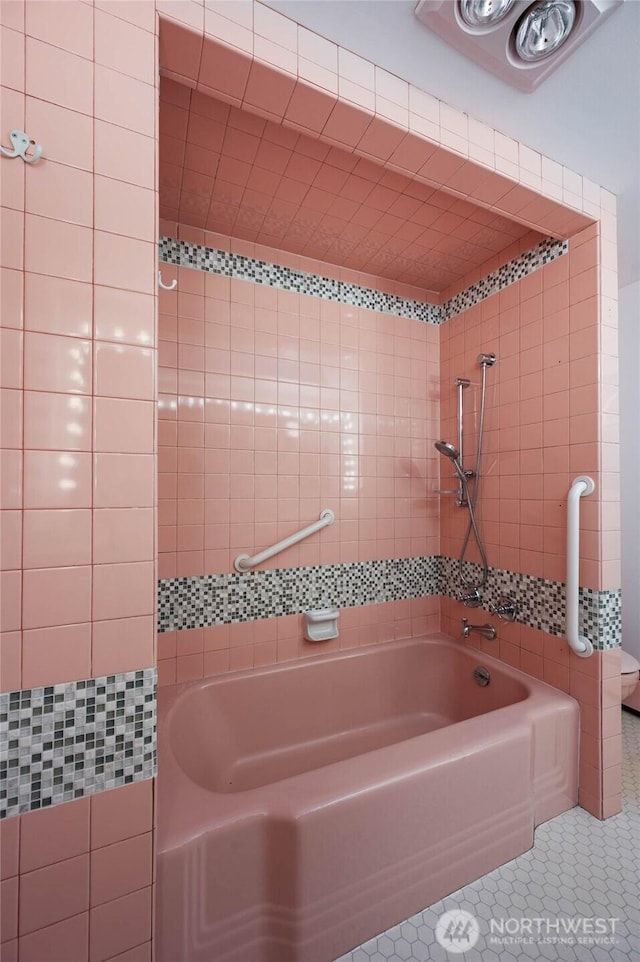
(486,630)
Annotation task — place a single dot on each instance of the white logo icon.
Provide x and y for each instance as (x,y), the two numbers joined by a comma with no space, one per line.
(457,931)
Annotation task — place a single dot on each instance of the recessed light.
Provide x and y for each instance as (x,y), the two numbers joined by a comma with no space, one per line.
(483,13)
(544,27)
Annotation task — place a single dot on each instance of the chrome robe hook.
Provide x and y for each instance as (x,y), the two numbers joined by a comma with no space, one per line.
(21,144)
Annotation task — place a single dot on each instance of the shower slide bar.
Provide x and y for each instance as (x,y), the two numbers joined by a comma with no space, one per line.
(245,562)
(578,643)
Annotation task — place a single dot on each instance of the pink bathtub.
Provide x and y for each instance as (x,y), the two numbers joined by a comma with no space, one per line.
(304,808)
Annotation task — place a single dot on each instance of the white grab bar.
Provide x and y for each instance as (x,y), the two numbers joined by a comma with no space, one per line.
(244,561)
(582,485)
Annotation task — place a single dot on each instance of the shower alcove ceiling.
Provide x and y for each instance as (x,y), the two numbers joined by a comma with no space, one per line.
(230,171)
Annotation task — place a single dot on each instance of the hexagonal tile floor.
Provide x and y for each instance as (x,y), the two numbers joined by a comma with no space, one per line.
(578,868)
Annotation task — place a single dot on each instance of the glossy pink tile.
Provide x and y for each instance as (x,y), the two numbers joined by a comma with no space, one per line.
(54,834)
(57,479)
(66,940)
(60,192)
(67,134)
(58,249)
(11,363)
(11,298)
(124,47)
(123,316)
(123,426)
(57,538)
(123,590)
(125,155)
(124,101)
(120,925)
(123,480)
(53,893)
(54,655)
(124,644)
(121,813)
(11,412)
(124,262)
(120,868)
(59,422)
(59,77)
(56,596)
(64,26)
(57,364)
(54,305)
(124,209)
(123,534)
(124,371)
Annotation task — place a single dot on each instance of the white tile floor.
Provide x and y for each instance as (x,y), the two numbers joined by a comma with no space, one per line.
(578,867)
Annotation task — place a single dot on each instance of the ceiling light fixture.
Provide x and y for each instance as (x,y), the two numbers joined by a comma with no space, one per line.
(544,27)
(521,41)
(484,13)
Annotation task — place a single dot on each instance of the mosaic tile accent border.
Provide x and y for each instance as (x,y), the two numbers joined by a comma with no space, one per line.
(511,272)
(288,279)
(222,599)
(542,602)
(64,741)
(215,261)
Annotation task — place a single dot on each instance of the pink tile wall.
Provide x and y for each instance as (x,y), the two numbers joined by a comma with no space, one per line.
(78,397)
(548,403)
(275,405)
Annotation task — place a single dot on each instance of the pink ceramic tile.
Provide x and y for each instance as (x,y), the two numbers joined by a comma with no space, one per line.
(67,134)
(54,834)
(9,909)
(120,868)
(124,209)
(58,364)
(11,408)
(124,154)
(124,262)
(180,50)
(11,298)
(122,590)
(10,540)
(60,192)
(125,427)
(124,371)
(59,77)
(54,893)
(57,479)
(122,645)
(121,813)
(124,47)
(11,646)
(122,534)
(120,925)
(123,480)
(123,316)
(54,655)
(56,248)
(9,847)
(124,101)
(56,596)
(57,306)
(139,953)
(223,70)
(54,22)
(56,538)
(67,940)
(59,422)
(11,360)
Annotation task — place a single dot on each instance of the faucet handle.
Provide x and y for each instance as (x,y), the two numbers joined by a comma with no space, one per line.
(470,598)
(506,609)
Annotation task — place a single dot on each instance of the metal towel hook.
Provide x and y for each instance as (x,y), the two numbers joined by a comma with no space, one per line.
(166,287)
(21,144)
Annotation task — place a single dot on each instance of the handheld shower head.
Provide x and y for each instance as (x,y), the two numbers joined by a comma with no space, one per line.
(487,360)
(449,450)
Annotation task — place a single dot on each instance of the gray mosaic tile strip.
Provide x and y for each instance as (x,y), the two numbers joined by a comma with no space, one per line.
(224,599)
(64,741)
(288,279)
(514,270)
(542,602)
(215,261)
(207,600)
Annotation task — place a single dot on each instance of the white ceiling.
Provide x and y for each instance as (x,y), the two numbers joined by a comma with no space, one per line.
(586,115)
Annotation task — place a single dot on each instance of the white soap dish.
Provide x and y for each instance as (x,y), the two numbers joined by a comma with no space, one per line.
(321,624)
